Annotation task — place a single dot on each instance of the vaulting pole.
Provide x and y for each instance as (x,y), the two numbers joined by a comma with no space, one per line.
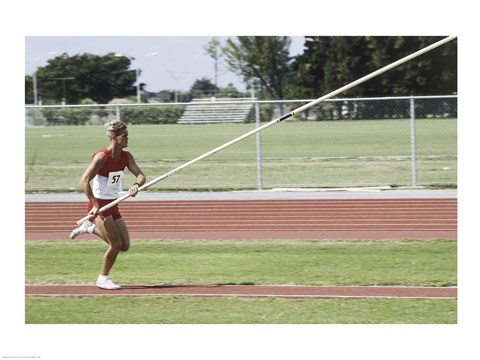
(277,120)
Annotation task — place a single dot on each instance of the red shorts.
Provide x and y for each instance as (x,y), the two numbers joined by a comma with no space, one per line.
(113,211)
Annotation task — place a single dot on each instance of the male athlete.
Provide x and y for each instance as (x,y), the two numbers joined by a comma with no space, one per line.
(107,172)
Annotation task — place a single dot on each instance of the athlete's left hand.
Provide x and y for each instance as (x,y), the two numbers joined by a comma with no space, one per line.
(133,190)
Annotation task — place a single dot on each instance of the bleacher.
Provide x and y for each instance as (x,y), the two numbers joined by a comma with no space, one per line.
(216,110)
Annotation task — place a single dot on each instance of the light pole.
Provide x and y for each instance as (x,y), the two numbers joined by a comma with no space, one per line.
(34,75)
(137,70)
(64,88)
(175,92)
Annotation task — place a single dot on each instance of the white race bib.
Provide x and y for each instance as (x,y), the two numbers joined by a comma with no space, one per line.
(115,180)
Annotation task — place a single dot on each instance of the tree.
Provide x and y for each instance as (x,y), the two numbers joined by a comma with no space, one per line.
(214,50)
(203,87)
(433,73)
(328,63)
(230,91)
(331,62)
(74,78)
(265,58)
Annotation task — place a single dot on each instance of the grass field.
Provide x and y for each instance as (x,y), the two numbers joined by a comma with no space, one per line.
(187,310)
(294,154)
(422,263)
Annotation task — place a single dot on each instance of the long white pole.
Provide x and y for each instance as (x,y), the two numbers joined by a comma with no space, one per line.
(277,120)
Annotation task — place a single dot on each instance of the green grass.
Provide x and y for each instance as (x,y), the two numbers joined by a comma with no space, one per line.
(400,262)
(423,263)
(188,310)
(307,154)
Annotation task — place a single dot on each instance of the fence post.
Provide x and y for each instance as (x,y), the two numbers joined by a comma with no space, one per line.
(117,112)
(413,141)
(259,147)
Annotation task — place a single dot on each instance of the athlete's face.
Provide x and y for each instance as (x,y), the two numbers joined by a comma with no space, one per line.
(123,139)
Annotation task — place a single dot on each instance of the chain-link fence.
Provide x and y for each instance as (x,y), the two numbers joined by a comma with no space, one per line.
(395,141)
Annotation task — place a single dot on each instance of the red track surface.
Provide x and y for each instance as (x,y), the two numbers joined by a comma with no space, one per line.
(260,219)
(249,291)
(257,219)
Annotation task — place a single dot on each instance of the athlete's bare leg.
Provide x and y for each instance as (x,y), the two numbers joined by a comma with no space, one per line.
(124,235)
(100,230)
(108,232)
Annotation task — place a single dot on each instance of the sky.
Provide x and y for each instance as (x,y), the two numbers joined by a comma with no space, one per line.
(166,62)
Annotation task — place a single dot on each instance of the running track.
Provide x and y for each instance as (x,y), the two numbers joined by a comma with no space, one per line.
(249,291)
(260,219)
(257,219)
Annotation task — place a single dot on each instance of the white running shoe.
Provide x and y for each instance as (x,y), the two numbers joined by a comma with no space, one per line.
(82,229)
(104,282)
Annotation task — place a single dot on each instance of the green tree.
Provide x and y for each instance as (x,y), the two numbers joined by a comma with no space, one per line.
(328,63)
(74,78)
(203,87)
(29,90)
(262,58)
(433,73)
(331,62)
(214,50)
(230,91)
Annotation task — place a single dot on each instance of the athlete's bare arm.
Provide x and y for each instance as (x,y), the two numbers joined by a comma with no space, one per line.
(137,172)
(91,171)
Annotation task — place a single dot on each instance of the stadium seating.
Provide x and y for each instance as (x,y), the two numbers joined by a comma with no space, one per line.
(215,110)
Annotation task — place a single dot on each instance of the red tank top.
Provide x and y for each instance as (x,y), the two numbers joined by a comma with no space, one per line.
(110,164)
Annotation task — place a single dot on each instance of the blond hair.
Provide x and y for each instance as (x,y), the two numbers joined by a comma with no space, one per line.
(115,127)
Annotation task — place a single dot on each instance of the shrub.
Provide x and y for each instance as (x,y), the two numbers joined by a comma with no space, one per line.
(67,116)
(151,115)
